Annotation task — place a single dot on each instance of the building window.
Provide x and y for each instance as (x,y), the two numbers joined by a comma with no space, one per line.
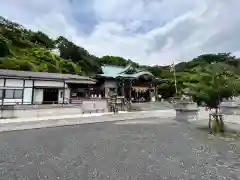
(1,93)
(9,93)
(13,93)
(18,93)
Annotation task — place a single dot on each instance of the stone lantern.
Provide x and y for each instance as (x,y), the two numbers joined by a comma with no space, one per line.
(186,109)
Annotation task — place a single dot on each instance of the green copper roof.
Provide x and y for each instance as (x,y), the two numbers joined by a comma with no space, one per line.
(136,75)
(118,71)
(111,71)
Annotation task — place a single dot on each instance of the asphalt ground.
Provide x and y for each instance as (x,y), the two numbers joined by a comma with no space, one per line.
(138,150)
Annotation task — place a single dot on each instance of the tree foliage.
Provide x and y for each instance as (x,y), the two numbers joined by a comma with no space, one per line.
(68,50)
(41,39)
(4,47)
(23,49)
(216,83)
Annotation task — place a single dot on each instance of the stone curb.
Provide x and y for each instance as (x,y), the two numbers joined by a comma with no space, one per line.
(23,125)
(204,123)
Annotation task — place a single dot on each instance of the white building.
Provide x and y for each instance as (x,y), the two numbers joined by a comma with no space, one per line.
(23,87)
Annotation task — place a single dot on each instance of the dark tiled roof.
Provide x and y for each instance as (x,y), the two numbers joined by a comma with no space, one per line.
(42,75)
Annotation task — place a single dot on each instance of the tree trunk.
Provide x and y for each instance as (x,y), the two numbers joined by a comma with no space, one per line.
(219,121)
(222,128)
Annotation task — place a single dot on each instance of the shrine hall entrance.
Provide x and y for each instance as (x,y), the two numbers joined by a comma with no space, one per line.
(141,94)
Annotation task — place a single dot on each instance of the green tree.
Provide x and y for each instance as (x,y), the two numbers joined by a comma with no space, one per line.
(4,47)
(213,86)
(41,39)
(166,89)
(68,50)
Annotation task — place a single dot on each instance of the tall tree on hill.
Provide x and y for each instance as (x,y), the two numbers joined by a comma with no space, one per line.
(14,32)
(117,61)
(68,50)
(205,59)
(42,39)
(4,47)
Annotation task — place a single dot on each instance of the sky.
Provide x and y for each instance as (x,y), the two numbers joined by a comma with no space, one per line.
(150,32)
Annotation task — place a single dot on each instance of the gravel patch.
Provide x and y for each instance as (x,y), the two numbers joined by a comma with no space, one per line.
(121,151)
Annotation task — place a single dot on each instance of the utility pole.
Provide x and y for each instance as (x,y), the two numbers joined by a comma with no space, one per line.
(174,74)
(175,80)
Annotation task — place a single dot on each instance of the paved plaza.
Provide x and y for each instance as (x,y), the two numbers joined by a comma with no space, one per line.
(140,149)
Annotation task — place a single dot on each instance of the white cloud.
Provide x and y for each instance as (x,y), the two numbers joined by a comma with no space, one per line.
(149,32)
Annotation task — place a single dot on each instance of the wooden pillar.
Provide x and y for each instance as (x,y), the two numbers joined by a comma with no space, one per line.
(150,94)
(137,98)
(33,88)
(123,88)
(156,93)
(24,81)
(106,92)
(130,90)
(3,90)
(64,92)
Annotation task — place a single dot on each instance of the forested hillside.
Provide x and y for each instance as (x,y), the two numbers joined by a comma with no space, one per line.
(23,49)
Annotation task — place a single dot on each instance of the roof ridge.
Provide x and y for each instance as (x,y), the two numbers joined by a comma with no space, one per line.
(10,72)
(114,66)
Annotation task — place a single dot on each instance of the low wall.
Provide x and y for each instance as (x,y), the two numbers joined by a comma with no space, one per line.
(41,110)
(94,105)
